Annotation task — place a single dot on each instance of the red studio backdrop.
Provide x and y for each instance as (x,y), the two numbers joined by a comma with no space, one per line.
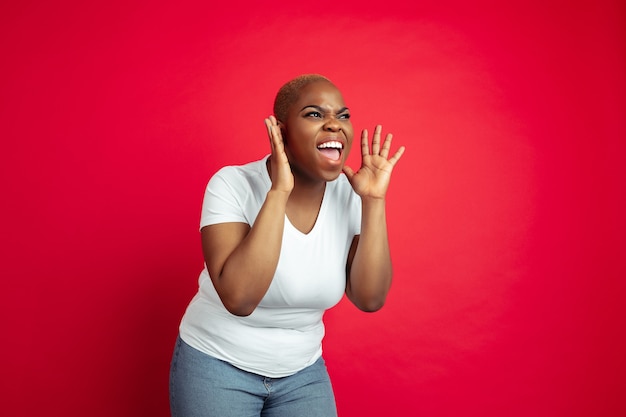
(506,214)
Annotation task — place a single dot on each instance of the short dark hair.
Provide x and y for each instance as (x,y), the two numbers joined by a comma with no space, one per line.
(289,93)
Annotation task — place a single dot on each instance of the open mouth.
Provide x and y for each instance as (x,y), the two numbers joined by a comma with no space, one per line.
(331,150)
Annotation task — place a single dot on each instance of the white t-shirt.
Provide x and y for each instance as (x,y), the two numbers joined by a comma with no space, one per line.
(284,333)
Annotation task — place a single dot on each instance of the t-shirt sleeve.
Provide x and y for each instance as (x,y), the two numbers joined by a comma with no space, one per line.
(222,200)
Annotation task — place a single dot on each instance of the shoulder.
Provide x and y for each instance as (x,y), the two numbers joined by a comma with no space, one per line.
(250,170)
(235,193)
(341,191)
(343,205)
(250,175)
(341,187)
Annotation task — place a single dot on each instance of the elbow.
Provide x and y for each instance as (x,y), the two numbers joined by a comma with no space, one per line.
(240,311)
(370,306)
(369,303)
(235,300)
(369,298)
(238,307)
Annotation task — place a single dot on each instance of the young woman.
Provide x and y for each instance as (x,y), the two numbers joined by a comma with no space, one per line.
(283,239)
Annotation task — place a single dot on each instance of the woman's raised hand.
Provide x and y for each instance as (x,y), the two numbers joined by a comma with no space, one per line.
(372,179)
(280,170)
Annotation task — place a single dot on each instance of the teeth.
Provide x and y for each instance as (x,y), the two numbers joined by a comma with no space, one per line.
(332,144)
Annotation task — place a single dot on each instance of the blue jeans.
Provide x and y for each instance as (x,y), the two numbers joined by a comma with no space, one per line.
(203,386)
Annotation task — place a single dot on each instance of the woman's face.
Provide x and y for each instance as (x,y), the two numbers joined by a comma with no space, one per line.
(318,132)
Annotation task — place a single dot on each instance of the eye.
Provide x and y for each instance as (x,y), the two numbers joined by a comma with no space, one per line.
(344,116)
(313,114)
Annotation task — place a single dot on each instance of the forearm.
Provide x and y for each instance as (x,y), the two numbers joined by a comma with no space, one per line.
(250,268)
(370,273)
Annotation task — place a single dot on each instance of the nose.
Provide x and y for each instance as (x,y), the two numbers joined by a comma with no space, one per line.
(332,125)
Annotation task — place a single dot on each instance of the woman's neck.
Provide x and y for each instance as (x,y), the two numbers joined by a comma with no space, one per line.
(307,191)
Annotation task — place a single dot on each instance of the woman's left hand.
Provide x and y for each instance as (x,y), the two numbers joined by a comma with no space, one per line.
(372,179)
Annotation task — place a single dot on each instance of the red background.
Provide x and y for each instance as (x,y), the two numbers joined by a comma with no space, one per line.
(506,213)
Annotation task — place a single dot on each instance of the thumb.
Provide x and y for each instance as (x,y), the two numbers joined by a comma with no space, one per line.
(349,172)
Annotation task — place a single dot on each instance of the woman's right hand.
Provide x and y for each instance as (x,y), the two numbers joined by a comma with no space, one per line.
(280,170)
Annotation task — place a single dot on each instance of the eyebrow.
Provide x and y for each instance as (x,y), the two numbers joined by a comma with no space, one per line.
(341,110)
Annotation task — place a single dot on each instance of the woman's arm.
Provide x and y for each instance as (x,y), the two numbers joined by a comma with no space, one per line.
(242,260)
(369,269)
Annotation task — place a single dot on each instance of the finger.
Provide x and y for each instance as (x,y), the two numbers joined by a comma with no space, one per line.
(268,125)
(376,140)
(384,152)
(277,130)
(270,134)
(365,147)
(348,171)
(273,131)
(396,156)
